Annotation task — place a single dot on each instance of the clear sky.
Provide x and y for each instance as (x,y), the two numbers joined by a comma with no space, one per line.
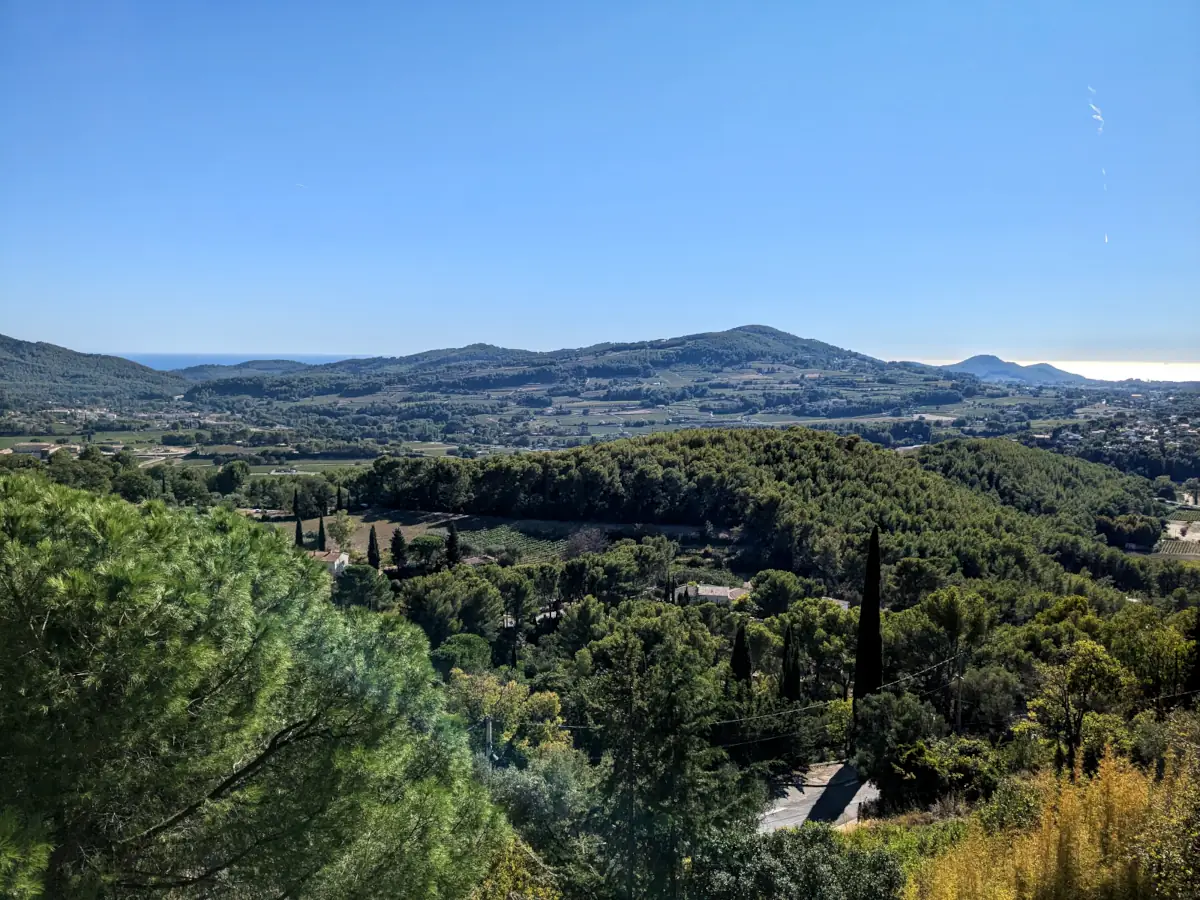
(911,180)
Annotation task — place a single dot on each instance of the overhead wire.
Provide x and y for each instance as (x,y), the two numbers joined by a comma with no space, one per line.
(788,712)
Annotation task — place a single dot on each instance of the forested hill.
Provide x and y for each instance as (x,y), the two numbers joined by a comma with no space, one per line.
(798,499)
(39,372)
(1039,482)
(745,343)
(253,367)
(483,366)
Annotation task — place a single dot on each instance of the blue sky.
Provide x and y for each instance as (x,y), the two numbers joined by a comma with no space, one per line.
(916,180)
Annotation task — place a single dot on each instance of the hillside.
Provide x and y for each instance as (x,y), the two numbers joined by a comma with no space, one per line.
(1038,482)
(746,343)
(802,500)
(993,369)
(215,372)
(486,367)
(991,598)
(45,373)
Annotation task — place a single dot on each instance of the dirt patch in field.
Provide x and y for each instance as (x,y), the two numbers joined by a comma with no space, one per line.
(1184,531)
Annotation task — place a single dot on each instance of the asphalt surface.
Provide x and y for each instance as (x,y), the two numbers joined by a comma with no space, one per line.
(829,792)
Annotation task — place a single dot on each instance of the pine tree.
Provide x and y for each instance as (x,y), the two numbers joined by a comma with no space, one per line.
(453,551)
(321,534)
(868,664)
(373,549)
(299,532)
(399,549)
(741,663)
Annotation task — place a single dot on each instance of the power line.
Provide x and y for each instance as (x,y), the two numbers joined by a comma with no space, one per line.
(788,712)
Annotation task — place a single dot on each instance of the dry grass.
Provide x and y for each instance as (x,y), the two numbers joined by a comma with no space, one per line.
(1108,837)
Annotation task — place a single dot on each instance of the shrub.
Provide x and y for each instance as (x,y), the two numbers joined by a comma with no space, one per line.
(1117,835)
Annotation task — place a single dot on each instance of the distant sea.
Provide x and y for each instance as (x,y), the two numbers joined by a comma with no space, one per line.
(168,361)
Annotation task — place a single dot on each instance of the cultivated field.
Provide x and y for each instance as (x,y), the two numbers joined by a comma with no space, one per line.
(531,549)
(1177,549)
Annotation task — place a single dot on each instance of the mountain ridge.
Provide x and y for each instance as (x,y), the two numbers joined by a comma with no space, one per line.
(987,367)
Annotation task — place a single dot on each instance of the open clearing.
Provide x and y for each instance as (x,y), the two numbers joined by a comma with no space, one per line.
(1184,531)
(538,539)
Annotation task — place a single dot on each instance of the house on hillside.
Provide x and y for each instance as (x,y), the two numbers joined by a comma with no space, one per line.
(709,593)
(335,560)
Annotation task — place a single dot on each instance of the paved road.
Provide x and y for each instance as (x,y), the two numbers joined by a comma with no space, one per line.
(830,792)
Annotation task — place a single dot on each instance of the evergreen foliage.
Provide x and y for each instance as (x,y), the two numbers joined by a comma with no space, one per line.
(399,548)
(868,667)
(740,664)
(196,719)
(373,558)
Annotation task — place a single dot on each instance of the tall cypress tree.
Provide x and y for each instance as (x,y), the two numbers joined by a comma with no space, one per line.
(321,534)
(373,549)
(453,551)
(791,686)
(296,505)
(341,503)
(868,664)
(399,549)
(741,663)
(784,678)
(299,533)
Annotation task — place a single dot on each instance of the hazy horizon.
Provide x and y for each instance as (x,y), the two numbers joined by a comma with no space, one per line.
(1104,370)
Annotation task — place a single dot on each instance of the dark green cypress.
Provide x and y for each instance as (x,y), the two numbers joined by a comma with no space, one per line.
(868,663)
(296,505)
(341,503)
(453,551)
(741,663)
(785,670)
(373,549)
(299,533)
(791,686)
(399,549)
(321,534)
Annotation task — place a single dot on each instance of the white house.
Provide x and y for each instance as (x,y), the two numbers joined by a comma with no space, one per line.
(335,560)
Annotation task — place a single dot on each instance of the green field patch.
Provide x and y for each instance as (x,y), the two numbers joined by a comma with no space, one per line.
(530,548)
